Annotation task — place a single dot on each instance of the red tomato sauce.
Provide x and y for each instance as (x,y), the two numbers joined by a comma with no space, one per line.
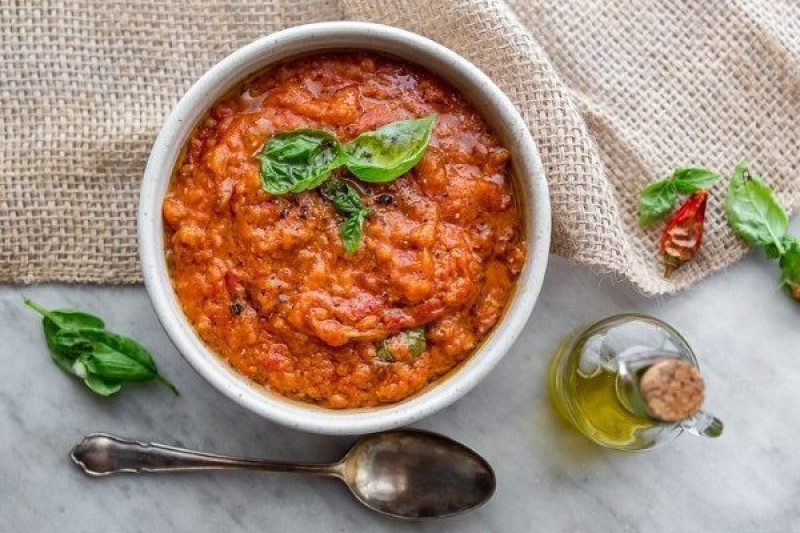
(264,279)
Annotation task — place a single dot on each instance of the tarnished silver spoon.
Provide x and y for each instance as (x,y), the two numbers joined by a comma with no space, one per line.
(404,473)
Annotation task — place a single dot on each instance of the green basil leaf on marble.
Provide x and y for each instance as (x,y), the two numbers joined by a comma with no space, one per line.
(66,318)
(107,363)
(60,356)
(295,161)
(98,385)
(64,351)
(80,345)
(389,152)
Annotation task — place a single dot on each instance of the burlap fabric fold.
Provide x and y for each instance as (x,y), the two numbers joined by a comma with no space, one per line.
(615,92)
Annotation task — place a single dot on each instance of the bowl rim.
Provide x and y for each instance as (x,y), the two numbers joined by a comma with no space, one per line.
(272,49)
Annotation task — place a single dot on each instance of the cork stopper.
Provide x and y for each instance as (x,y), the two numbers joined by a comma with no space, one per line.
(672,390)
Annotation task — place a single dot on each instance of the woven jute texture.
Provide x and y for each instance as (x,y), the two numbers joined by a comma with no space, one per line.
(616,94)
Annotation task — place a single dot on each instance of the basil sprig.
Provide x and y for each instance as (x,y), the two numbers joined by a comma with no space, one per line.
(660,197)
(347,202)
(299,160)
(80,345)
(413,340)
(385,154)
(758,218)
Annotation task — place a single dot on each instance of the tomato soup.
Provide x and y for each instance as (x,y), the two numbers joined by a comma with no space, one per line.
(265,280)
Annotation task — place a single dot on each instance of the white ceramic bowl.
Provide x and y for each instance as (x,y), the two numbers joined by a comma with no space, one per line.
(495,107)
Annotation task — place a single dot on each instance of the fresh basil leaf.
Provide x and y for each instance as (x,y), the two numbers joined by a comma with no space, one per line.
(104,360)
(64,351)
(689,180)
(753,211)
(67,342)
(352,229)
(344,198)
(103,387)
(346,201)
(61,357)
(67,318)
(121,344)
(105,341)
(656,200)
(389,152)
(413,339)
(107,363)
(299,160)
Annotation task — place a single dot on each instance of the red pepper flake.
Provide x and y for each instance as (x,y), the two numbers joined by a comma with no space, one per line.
(684,232)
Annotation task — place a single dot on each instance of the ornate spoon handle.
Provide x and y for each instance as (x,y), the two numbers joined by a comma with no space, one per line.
(101,454)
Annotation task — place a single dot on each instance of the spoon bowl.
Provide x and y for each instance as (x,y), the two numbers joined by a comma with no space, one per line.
(415,474)
(404,473)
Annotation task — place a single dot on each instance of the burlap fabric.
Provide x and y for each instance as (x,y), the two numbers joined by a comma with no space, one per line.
(615,92)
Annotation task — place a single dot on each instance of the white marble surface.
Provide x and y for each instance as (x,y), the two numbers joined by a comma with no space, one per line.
(550,479)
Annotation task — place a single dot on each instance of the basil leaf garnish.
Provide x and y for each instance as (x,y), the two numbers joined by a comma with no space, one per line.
(385,154)
(656,200)
(689,180)
(295,161)
(660,197)
(346,201)
(344,197)
(351,231)
(754,212)
(299,160)
(80,345)
(413,340)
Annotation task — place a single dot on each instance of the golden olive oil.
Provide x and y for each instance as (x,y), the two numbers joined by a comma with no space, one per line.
(595,409)
(585,381)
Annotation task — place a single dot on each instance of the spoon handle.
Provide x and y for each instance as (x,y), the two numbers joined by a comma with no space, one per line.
(101,454)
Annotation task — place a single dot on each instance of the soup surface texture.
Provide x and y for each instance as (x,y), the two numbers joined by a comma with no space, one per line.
(265,280)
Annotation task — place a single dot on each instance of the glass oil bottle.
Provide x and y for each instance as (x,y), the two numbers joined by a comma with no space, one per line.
(630,382)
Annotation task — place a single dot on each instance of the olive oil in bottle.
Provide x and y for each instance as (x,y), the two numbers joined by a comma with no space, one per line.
(630,382)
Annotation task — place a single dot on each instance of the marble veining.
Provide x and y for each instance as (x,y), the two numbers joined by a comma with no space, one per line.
(744,330)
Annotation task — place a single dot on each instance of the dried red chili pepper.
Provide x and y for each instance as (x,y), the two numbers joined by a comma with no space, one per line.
(684,232)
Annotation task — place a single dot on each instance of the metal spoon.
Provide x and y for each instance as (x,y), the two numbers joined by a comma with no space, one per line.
(404,473)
